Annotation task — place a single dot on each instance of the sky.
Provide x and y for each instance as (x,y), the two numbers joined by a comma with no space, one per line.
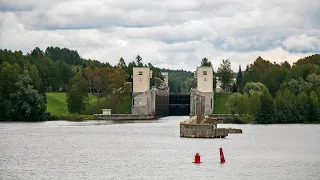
(169,34)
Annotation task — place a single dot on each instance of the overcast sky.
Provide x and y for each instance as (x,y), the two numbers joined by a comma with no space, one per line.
(170,34)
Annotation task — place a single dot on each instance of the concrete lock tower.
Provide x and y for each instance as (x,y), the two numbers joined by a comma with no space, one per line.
(143,98)
(203,91)
(141,79)
(165,76)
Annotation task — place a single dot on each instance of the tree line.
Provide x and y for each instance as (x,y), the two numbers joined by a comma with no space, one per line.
(25,79)
(278,93)
(264,92)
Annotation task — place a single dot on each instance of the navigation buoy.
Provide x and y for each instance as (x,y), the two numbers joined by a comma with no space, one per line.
(222,160)
(197,159)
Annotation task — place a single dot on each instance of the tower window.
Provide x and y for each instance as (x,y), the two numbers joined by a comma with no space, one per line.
(140,72)
(204,72)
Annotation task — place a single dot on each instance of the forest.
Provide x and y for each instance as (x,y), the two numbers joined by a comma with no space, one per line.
(264,92)
(268,93)
(27,79)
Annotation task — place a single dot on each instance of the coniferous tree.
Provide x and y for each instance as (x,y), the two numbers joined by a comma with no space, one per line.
(239,79)
(122,64)
(139,61)
(205,62)
(77,94)
(234,88)
(266,111)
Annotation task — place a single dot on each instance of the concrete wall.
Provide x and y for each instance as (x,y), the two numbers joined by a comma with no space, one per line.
(208,101)
(204,79)
(193,103)
(197,131)
(144,103)
(141,79)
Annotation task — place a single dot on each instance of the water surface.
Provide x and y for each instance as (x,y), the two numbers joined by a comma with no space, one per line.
(154,150)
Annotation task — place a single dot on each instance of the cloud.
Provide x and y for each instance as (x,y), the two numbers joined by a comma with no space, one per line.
(302,43)
(169,34)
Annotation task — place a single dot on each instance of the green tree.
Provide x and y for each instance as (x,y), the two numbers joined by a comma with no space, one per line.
(214,80)
(302,71)
(205,62)
(27,103)
(118,86)
(156,78)
(286,65)
(9,75)
(254,86)
(66,73)
(266,111)
(122,64)
(303,107)
(130,70)
(314,111)
(35,77)
(239,79)
(139,61)
(68,56)
(238,104)
(313,59)
(77,94)
(254,102)
(286,111)
(225,74)
(234,88)
(37,52)
(270,74)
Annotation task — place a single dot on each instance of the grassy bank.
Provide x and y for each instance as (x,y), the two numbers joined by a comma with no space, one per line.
(220,100)
(58,108)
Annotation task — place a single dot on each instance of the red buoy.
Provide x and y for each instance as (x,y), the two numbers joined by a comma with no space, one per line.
(197,158)
(222,160)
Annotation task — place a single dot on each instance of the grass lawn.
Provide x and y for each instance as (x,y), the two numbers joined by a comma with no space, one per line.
(220,100)
(57,106)
(123,107)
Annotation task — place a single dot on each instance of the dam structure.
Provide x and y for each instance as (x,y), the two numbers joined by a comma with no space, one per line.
(203,91)
(149,100)
(152,102)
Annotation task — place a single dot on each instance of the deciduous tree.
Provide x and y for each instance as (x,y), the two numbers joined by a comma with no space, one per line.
(225,74)
(27,103)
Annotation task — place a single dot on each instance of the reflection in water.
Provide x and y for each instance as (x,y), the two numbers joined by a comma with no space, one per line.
(106,122)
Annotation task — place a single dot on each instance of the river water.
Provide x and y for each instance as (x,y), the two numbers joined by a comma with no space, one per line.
(154,150)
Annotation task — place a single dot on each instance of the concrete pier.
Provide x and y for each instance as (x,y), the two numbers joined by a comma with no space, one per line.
(234,130)
(124,116)
(191,128)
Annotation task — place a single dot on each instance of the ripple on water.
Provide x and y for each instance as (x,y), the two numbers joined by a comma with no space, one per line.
(154,150)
